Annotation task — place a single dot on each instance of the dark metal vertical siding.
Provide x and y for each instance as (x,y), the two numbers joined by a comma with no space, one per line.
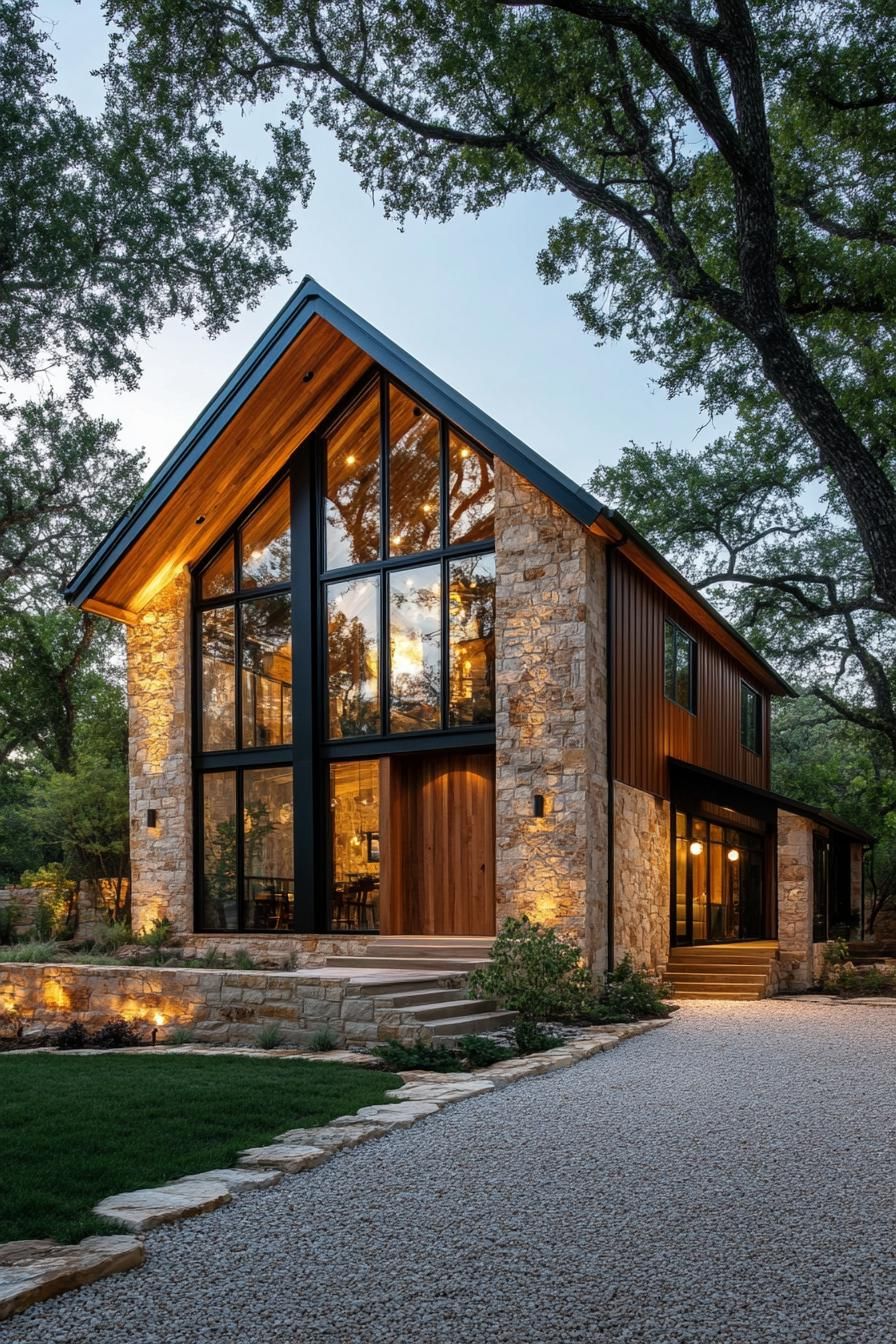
(649,728)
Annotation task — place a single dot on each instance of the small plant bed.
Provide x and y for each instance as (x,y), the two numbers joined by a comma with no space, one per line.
(537,974)
(840,976)
(79,1129)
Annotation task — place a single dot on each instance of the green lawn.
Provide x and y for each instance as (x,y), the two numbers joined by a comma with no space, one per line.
(75,1130)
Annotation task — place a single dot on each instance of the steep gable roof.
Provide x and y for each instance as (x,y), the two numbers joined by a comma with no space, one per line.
(320,348)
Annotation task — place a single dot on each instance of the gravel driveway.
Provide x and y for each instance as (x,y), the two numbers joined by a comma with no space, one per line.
(729,1178)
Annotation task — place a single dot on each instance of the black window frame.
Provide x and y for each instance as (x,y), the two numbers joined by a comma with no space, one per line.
(671,627)
(311,750)
(749,693)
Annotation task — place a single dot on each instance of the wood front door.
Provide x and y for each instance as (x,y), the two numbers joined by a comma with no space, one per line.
(437,847)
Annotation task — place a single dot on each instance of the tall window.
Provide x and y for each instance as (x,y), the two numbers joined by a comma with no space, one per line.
(408,571)
(390,580)
(750,719)
(245,704)
(679,667)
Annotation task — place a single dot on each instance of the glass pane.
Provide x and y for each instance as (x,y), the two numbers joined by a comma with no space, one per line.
(669,660)
(267,671)
(264,542)
(269,887)
(352,490)
(353,641)
(681,886)
(413,476)
(471,622)
(683,670)
(355,845)
(471,493)
(217,577)
(415,648)
(699,875)
(218,680)
(219,903)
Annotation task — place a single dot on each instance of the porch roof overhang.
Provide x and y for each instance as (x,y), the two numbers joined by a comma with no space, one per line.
(752,800)
(312,354)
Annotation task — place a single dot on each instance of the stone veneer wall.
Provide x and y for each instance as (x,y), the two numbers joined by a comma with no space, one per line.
(216,1006)
(550,721)
(159,759)
(796,964)
(642,877)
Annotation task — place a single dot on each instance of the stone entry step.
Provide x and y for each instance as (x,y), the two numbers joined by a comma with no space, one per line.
(721,970)
(461,966)
(471,1025)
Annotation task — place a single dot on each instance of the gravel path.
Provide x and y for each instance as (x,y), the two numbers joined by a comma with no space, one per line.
(727,1180)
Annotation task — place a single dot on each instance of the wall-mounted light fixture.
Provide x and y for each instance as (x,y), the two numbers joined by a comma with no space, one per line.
(733,855)
(152,818)
(696,847)
(538,804)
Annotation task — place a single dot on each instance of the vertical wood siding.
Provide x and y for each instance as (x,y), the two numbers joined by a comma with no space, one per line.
(648,728)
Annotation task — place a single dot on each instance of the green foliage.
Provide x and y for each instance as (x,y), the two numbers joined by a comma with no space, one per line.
(835,952)
(628,995)
(110,937)
(241,961)
(535,973)
(481,1051)
(55,912)
(32,951)
(145,1119)
(180,1036)
(402,1058)
(157,935)
(116,1034)
(323,1040)
(270,1037)
(73,1037)
(9,916)
(863,981)
(531,1037)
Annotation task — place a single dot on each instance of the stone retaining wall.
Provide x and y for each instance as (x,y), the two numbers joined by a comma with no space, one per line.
(642,877)
(217,1006)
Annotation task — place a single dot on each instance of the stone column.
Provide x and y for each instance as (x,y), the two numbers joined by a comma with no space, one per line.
(159,760)
(795,873)
(550,721)
(642,888)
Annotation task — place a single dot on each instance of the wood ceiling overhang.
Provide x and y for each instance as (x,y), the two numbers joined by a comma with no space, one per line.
(310,356)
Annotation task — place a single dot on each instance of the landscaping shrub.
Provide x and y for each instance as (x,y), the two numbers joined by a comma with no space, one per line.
(9,915)
(116,1034)
(628,995)
(480,1051)
(531,1037)
(157,935)
(323,1040)
(110,937)
(402,1057)
(535,973)
(180,1036)
(74,1037)
(55,914)
(242,961)
(270,1037)
(32,951)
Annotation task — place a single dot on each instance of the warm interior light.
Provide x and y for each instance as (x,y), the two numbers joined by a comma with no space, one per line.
(696,847)
(350,460)
(733,855)
(159,1020)
(465,452)
(397,539)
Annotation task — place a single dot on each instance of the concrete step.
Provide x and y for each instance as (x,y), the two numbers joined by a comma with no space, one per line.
(471,1025)
(426,988)
(718,964)
(732,978)
(739,994)
(452,1008)
(456,964)
(400,999)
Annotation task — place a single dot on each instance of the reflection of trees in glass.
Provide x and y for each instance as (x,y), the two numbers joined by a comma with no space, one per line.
(257,827)
(471,608)
(471,493)
(415,653)
(218,678)
(270,565)
(220,871)
(353,662)
(353,519)
(413,477)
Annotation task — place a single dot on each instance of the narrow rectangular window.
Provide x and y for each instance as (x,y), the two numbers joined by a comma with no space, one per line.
(679,667)
(750,719)
(353,642)
(218,679)
(219,846)
(471,634)
(268,871)
(415,648)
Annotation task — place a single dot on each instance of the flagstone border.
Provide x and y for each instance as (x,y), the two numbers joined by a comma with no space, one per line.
(33,1271)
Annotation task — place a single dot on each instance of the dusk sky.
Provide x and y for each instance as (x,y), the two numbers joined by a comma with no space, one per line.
(463,298)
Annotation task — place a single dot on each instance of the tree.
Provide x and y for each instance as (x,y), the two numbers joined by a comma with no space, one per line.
(731,165)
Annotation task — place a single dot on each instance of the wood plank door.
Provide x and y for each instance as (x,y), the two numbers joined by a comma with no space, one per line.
(438,844)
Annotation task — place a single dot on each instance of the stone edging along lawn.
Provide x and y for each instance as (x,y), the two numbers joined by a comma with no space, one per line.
(33,1271)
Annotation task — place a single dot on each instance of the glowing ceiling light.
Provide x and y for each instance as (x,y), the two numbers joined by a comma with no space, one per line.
(696,847)
(733,855)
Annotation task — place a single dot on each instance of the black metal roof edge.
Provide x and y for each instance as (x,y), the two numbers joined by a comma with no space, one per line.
(777,799)
(310,300)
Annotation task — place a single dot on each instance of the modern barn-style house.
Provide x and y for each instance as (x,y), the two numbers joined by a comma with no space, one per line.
(392,677)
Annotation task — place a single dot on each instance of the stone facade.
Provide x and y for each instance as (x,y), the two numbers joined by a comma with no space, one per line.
(159,760)
(216,1006)
(550,721)
(796,964)
(642,878)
